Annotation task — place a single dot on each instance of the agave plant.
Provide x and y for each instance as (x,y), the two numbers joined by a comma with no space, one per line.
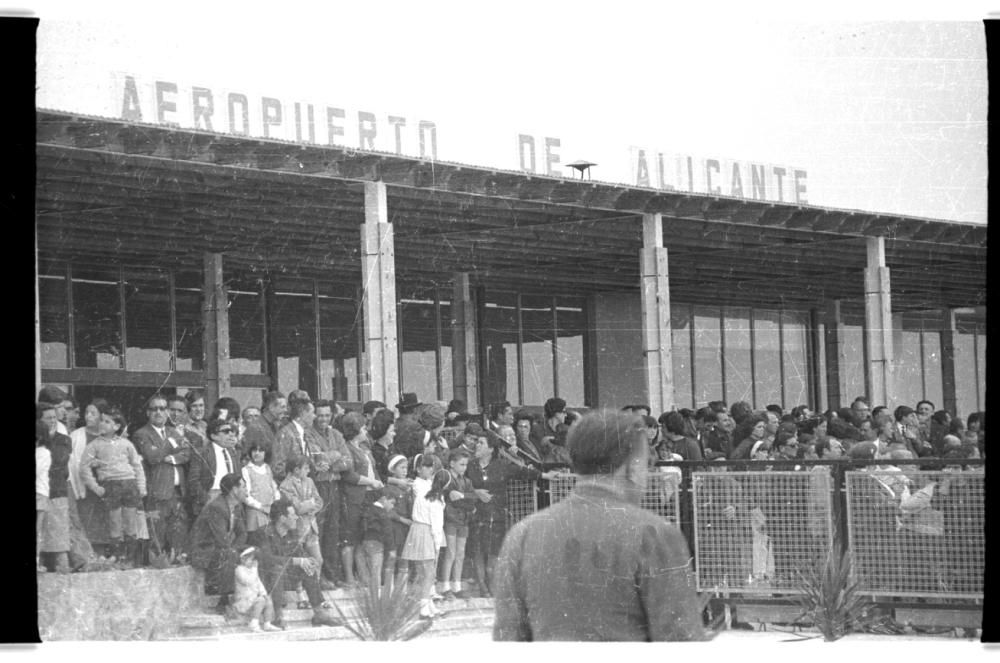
(384,613)
(831,600)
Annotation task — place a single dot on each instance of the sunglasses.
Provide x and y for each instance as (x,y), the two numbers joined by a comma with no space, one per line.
(225,430)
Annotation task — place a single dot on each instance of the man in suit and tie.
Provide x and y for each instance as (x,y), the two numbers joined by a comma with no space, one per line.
(218,535)
(166,453)
(296,438)
(210,463)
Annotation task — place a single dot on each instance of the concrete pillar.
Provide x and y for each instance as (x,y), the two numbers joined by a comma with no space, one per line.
(215,316)
(833,330)
(656,341)
(464,348)
(378,273)
(878,326)
(948,381)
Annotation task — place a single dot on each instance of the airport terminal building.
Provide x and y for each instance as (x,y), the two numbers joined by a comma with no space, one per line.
(170,258)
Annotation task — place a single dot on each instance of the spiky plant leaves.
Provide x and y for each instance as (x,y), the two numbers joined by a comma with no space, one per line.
(384,614)
(830,597)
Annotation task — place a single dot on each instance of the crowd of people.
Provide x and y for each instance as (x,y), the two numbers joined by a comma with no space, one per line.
(301,495)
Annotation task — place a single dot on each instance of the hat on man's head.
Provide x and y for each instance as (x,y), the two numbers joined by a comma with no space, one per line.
(431,417)
(456,405)
(409,402)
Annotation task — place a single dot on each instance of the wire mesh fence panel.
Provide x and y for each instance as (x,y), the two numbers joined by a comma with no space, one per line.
(522,500)
(662,495)
(755,531)
(560,488)
(917,533)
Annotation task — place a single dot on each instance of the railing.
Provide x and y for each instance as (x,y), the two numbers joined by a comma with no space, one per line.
(915,530)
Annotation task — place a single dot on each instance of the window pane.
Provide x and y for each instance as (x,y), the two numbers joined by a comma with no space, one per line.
(796,358)
(680,333)
(908,379)
(767,366)
(965,375)
(246,397)
(188,301)
(147,321)
(294,342)
(707,355)
(246,333)
(499,334)
(739,378)
(53,320)
(97,318)
(571,318)
(418,328)
(933,386)
(536,351)
(339,321)
(852,366)
(446,381)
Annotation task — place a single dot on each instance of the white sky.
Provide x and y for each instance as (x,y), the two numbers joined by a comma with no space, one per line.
(884,115)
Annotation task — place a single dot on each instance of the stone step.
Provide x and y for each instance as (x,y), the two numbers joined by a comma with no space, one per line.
(449,625)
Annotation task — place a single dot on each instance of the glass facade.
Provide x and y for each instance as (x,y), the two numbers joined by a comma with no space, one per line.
(293,341)
(147,320)
(537,324)
(97,318)
(707,354)
(737,355)
(246,332)
(340,324)
(499,326)
(419,329)
(533,348)
(53,321)
(767,358)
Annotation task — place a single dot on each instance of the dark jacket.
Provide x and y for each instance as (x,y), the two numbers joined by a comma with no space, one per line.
(595,567)
(216,539)
(155,451)
(201,475)
(60,446)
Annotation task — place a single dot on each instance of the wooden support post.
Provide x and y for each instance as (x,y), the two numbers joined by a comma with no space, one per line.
(878,326)
(656,340)
(834,332)
(948,382)
(378,267)
(215,316)
(464,351)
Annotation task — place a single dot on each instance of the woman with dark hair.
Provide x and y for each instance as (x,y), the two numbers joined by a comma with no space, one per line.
(490,470)
(356,484)
(382,432)
(675,437)
(938,425)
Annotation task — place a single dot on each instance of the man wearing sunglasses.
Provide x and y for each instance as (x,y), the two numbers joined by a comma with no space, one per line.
(166,454)
(210,463)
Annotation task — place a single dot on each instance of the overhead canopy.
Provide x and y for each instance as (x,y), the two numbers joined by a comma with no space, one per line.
(110,191)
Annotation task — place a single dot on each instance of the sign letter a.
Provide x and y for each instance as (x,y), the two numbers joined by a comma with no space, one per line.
(130,101)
